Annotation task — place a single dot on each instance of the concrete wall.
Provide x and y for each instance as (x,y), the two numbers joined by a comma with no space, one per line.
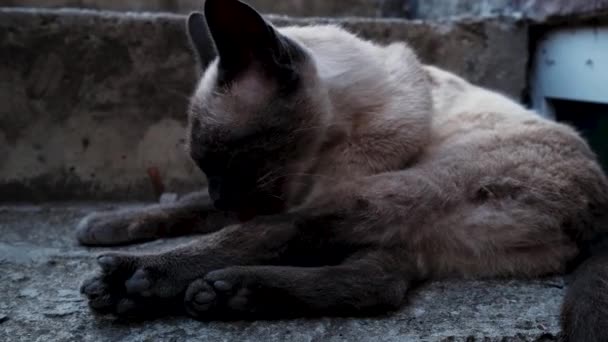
(365,8)
(536,10)
(93,103)
(437,9)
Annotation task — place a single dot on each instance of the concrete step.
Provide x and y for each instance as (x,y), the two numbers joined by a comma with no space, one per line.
(94,103)
(42,268)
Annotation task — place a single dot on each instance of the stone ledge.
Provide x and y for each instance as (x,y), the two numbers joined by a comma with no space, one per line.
(94,102)
(42,268)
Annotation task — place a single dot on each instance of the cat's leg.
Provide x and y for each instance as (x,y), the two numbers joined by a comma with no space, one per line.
(191,214)
(497,238)
(370,283)
(346,221)
(147,283)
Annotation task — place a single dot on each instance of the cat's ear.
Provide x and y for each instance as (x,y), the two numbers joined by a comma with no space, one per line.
(201,39)
(240,34)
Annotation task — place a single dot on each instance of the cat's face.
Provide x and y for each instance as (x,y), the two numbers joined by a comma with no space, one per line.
(257,116)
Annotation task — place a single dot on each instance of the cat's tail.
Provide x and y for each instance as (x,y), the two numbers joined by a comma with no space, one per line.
(584,316)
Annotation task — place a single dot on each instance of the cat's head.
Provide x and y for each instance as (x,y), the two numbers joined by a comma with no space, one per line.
(257,115)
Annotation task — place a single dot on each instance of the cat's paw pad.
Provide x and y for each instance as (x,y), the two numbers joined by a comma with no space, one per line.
(101,297)
(220,294)
(200,298)
(139,283)
(124,285)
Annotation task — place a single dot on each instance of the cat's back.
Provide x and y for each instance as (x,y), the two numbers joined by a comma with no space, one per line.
(482,137)
(468,114)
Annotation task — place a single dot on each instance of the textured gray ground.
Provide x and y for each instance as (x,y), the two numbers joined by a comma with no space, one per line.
(42,267)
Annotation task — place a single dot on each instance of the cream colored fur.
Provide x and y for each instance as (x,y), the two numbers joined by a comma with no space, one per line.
(530,174)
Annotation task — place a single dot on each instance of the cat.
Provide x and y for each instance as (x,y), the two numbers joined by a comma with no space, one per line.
(341,174)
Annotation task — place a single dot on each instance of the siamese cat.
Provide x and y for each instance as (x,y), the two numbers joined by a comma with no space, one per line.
(341,174)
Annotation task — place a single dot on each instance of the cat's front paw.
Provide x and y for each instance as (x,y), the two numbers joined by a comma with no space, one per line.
(228,293)
(132,285)
(119,227)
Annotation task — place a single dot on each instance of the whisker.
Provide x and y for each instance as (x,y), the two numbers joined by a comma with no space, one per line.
(268,174)
(308,128)
(312,175)
(277,196)
(270,181)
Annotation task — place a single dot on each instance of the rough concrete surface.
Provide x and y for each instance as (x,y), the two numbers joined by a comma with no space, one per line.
(366,8)
(538,11)
(42,268)
(543,11)
(94,103)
